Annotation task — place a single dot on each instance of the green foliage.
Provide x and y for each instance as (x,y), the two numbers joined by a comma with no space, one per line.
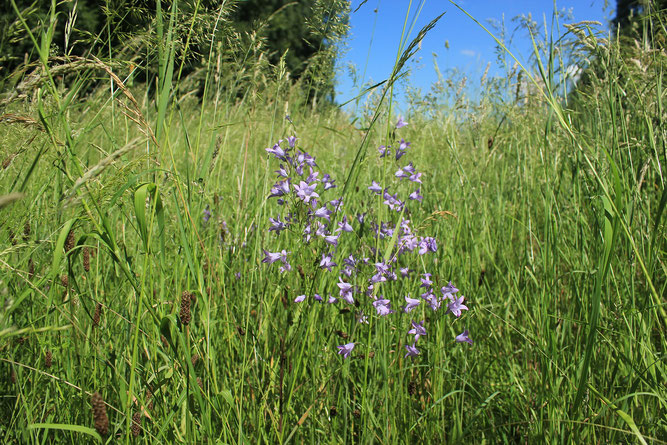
(304,33)
(127,31)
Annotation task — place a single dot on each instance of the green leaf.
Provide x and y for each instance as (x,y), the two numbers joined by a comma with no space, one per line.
(59,248)
(66,427)
(140,195)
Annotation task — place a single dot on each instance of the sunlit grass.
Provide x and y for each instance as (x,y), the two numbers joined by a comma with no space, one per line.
(136,202)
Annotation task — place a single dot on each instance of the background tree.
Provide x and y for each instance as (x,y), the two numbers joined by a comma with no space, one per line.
(305,33)
(630,20)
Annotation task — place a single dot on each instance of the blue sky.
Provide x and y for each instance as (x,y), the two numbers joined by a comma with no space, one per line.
(375,31)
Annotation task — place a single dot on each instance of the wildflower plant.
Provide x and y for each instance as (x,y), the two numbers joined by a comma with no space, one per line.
(366,261)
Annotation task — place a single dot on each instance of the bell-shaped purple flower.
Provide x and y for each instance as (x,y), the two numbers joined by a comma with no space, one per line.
(456,306)
(417,330)
(412,351)
(345,349)
(463,337)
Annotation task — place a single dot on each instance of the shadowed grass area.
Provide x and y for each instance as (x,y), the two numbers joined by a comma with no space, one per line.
(134,224)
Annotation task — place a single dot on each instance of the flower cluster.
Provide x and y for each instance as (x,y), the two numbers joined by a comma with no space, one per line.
(380,252)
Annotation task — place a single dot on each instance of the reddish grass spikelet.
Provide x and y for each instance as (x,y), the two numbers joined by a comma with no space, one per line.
(185,315)
(149,400)
(48,359)
(31,269)
(70,241)
(64,280)
(195,359)
(412,387)
(100,414)
(96,315)
(136,424)
(86,259)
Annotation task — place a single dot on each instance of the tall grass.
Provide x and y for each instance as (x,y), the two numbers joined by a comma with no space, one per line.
(548,212)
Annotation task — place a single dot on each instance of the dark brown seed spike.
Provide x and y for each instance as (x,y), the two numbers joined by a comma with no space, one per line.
(96,315)
(136,424)
(86,259)
(70,241)
(100,414)
(185,308)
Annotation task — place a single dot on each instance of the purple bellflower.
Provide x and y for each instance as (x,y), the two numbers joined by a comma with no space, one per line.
(411,303)
(277,225)
(426,280)
(415,196)
(412,351)
(449,291)
(323,212)
(463,337)
(328,182)
(327,262)
(306,192)
(344,226)
(346,349)
(345,291)
(382,306)
(277,151)
(456,306)
(417,330)
(375,188)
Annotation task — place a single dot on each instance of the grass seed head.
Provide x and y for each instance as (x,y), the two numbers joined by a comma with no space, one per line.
(48,359)
(149,400)
(96,315)
(412,387)
(185,308)
(70,241)
(136,424)
(100,414)
(86,259)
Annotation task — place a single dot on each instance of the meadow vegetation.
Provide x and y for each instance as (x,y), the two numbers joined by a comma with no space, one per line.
(163,281)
